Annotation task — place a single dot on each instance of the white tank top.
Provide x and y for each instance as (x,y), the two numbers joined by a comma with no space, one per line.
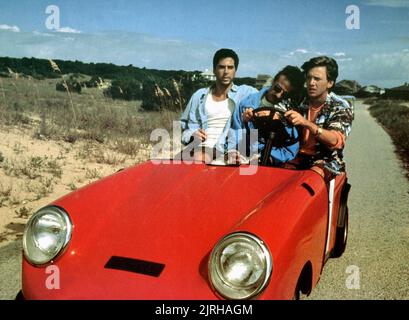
(218,113)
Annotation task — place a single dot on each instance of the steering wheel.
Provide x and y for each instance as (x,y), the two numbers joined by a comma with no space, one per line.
(271,130)
(267,126)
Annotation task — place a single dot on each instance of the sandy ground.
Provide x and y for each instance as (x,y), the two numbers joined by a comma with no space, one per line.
(35,172)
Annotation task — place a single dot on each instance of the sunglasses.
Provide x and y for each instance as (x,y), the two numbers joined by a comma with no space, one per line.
(278,88)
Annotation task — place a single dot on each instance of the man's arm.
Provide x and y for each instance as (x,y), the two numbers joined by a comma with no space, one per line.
(284,154)
(238,128)
(189,122)
(327,137)
(341,119)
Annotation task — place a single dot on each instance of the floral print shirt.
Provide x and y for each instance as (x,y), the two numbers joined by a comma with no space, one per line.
(336,114)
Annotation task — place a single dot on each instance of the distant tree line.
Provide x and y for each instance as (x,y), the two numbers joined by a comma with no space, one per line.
(158,89)
(40,69)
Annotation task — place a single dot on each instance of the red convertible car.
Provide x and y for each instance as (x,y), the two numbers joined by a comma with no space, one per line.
(187,231)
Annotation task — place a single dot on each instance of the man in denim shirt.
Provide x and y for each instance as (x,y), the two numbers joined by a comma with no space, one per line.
(207,117)
(284,93)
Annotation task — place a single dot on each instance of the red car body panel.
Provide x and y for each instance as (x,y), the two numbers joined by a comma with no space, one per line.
(174,214)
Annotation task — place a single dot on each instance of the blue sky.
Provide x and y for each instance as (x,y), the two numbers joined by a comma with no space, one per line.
(183,34)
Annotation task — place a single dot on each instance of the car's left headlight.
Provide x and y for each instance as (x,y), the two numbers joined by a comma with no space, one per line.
(240,266)
(46,234)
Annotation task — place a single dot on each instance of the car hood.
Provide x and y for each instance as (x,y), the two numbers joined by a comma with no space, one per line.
(171,214)
(167,205)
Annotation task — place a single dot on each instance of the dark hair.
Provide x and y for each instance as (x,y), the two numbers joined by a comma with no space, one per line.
(297,79)
(225,53)
(323,61)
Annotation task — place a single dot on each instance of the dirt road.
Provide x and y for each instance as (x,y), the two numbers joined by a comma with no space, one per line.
(376,262)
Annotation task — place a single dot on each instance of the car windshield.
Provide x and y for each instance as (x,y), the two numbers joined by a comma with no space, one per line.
(221,161)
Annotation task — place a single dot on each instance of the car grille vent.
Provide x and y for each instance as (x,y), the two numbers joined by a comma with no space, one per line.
(148,268)
(309,189)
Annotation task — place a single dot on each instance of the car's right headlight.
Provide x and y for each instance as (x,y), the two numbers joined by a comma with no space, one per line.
(46,235)
(240,266)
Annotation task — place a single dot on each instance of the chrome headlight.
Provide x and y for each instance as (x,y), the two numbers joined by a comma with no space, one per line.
(46,234)
(240,266)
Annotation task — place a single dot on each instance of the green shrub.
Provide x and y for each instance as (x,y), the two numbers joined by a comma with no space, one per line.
(73,86)
(127,89)
(395,118)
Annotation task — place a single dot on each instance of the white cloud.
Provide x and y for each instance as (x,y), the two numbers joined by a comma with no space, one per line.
(344,59)
(383,69)
(339,54)
(388,3)
(43,34)
(67,30)
(9,28)
(298,51)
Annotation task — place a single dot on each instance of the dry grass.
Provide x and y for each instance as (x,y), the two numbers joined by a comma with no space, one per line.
(33,167)
(23,212)
(393,115)
(56,68)
(5,193)
(114,123)
(108,157)
(41,187)
(92,174)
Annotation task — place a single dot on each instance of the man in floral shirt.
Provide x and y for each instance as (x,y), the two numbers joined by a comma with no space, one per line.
(324,120)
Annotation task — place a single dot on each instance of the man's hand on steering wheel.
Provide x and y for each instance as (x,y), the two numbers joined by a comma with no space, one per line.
(267,113)
(295,119)
(247,115)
